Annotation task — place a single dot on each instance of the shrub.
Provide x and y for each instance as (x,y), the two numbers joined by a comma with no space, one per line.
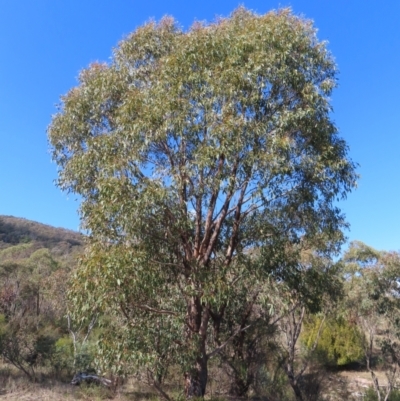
(44,346)
(63,356)
(340,342)
(370,395)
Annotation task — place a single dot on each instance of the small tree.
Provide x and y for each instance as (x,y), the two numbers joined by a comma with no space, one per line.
(313,288)
(190,150)
(244,333)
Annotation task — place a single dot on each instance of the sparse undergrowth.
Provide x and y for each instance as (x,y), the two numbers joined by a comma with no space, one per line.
(336,386)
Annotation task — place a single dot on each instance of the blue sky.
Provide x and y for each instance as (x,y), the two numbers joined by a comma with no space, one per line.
(45,43)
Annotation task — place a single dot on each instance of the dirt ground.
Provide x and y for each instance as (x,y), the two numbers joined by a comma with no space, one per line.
(12,389)
(349,385)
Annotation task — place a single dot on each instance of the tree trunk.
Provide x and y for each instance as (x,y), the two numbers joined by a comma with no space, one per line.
(241,367)
(296,390)
(197,322)
(196,380)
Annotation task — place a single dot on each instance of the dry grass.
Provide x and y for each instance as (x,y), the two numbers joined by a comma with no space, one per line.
(14,386)
(348,385)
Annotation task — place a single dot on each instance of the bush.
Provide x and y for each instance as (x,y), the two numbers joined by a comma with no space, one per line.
(63,356)
(44,346)
(370,395)
(340,342)
(271,383)
(84,360)
(65,362)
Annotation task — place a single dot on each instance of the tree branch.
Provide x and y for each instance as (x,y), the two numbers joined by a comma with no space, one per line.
(216,350)
(211,208)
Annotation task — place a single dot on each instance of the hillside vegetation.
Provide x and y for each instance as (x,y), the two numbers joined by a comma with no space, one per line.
(36,261)
(16,230)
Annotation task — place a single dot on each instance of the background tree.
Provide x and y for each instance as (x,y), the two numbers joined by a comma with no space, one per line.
(373,300)
(190,150)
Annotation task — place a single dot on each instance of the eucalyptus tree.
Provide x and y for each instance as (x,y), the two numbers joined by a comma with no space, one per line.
(191,150)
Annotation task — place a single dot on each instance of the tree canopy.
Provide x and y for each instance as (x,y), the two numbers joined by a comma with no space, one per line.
(206,161)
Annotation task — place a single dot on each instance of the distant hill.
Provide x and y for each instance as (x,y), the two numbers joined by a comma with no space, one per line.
(16,230)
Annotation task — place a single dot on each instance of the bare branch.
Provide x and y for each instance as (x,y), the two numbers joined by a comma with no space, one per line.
(154,310)
(236,224)
(157,385)
(90,327)
(216,350)
(211,208)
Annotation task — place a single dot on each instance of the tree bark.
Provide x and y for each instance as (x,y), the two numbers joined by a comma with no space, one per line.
(196,379)
(197,322)
(296,389)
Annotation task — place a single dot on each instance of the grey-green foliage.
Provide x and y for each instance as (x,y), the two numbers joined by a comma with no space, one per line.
(190,150)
